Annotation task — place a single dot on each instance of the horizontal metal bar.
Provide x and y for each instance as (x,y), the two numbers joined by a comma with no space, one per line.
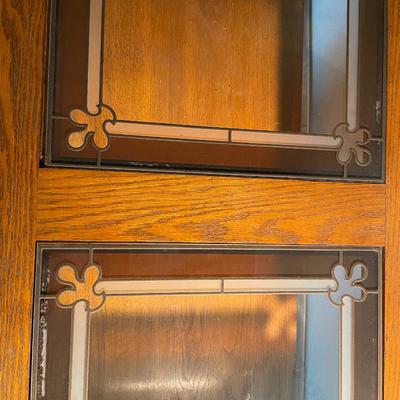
(286,139)
(167,131)
(278,285)
(132,129)
(159,286)
(126,287)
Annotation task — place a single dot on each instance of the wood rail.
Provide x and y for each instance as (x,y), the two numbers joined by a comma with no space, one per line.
(115,206)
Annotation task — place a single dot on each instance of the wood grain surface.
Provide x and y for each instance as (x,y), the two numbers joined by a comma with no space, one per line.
(392,249)
(22,28)
(119,206)
(178,61)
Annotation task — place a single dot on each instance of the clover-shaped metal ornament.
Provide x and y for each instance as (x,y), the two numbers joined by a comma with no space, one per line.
(81,289)
(353,142)
(93,123)
(348,284)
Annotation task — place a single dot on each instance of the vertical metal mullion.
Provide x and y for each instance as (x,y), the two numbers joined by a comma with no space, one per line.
(307,69)
(353,14)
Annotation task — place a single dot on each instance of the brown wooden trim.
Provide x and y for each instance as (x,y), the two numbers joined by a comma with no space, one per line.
(114,206)
(22,44)
(392,256)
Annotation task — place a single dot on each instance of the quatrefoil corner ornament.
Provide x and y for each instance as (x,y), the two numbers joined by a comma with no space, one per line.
(352,143)
(93,124)
(348,284)
(81,289)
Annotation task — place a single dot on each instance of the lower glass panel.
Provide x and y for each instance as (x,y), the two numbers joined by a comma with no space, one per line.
(176,322)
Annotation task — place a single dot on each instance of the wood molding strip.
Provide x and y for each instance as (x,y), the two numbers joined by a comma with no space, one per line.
(392,249)
(22,49)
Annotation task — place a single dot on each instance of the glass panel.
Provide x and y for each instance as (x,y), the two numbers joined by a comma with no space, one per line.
(185,347)
(322,348)
(208,322)
(279,87)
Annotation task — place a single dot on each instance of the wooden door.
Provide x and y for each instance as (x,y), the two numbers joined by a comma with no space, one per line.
(78,205)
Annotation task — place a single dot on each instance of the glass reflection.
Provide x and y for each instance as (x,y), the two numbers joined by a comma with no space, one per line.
(185,347)
(322,349)
(328,66)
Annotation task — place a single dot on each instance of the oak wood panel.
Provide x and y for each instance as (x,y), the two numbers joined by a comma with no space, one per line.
(177,61)
(392,250)
(119,206)
(22,30)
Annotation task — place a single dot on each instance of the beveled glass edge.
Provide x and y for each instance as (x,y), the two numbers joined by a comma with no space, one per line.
(47,152)
(251,247)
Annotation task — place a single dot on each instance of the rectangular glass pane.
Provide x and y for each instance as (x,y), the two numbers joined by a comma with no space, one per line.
(185,347)
(278,87)
(207,322)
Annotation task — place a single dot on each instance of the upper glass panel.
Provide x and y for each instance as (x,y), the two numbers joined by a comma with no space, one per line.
(271,87)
